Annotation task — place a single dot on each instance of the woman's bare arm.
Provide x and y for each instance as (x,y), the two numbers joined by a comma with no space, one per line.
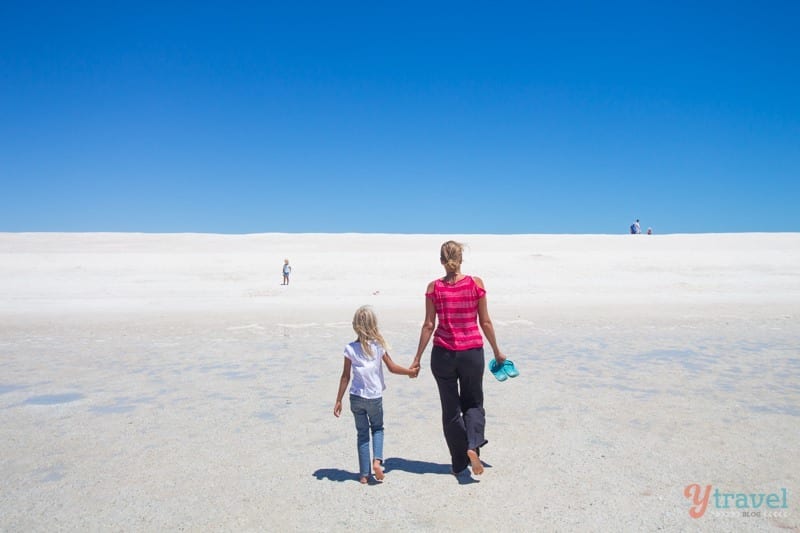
(427,326)
(486,324)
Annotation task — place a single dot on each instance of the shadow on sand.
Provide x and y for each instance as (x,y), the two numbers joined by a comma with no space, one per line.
(335,474)
(398,463)
(415,467)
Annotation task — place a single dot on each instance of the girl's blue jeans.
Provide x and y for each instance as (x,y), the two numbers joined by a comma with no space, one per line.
(369,418)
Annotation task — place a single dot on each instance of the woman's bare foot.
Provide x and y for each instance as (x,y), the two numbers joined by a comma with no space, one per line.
(377,466)
(475,462)
(364,480)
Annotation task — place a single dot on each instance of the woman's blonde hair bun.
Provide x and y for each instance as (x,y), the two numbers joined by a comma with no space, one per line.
(451,255)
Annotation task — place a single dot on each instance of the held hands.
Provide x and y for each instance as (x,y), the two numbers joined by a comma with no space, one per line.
(337,409)
(414,369)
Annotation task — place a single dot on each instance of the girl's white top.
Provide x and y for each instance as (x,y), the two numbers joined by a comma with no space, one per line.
(367,372)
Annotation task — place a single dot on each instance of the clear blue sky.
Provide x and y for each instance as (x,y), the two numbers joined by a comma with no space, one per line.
(402,117)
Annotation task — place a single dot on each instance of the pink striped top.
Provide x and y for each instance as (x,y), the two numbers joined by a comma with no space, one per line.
(457,311)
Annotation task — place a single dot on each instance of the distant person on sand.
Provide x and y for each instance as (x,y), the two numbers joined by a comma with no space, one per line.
(457,359)
(286,271)
(636,229)
(363,358)
(649,231)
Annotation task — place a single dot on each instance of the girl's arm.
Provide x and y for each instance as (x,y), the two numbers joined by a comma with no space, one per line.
(394,368)
(343,381)
(486,324)
(427,326)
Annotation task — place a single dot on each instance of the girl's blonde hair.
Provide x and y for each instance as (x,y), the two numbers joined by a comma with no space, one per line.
(365,324)
(451,255)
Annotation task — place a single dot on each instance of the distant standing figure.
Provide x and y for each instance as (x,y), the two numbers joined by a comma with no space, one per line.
(286,271)
(649,231)
(636,229)
(364,359)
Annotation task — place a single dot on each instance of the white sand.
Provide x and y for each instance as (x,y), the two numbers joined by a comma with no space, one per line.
(169,382)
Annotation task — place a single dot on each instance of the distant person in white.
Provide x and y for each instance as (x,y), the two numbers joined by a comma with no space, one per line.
(636,229)
(286,271)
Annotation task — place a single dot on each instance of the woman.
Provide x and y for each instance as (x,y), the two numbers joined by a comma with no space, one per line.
(457,361)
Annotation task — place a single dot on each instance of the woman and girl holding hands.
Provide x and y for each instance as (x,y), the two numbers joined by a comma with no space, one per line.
(458,302)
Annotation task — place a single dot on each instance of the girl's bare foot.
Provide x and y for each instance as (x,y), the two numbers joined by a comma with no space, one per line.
(475,462)
(377,466)
(364,480)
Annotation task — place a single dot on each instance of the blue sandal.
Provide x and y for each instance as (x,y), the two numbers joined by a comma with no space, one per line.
(510,369)
(498,370)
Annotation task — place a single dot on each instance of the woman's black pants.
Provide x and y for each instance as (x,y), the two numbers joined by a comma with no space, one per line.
(459,376)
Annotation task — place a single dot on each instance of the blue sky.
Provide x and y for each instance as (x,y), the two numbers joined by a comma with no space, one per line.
(530,117)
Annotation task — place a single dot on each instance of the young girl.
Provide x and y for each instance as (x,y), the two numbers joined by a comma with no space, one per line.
(363,356)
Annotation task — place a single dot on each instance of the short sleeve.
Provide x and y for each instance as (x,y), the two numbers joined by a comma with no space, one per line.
(480,291)
(348,352)
(432,294)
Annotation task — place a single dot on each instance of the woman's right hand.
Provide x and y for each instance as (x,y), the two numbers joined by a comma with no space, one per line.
(337,409)
(500,357)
